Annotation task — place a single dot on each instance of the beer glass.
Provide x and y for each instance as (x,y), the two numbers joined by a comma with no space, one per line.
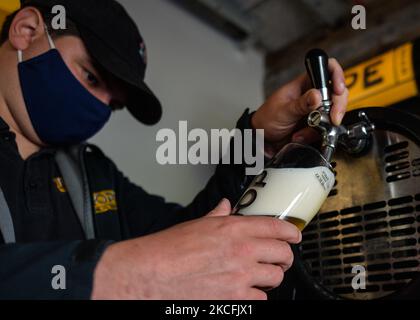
(292,187)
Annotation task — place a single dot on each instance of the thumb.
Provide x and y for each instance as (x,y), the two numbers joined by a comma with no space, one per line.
(222,209)
(304,104)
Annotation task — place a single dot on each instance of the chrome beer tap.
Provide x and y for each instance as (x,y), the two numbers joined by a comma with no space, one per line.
(354,138)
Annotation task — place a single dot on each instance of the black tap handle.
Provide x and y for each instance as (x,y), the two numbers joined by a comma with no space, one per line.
(316,62)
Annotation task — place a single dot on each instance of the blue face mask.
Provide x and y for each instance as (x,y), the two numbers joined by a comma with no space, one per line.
(61,110)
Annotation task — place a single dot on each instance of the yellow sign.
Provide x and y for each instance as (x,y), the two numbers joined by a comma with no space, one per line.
(7,7)
(105,201)
(382,80)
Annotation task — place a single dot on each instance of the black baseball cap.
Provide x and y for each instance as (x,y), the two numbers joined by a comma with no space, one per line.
(114,41)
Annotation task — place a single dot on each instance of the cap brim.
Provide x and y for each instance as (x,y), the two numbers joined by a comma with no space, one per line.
(142,103)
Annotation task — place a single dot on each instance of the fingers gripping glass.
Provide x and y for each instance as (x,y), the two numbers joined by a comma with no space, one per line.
(292,187)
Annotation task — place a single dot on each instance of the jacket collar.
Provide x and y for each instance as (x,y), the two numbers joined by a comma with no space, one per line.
(5,133)
(3,125)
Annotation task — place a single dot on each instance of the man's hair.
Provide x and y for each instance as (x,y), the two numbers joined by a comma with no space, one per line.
(71,28)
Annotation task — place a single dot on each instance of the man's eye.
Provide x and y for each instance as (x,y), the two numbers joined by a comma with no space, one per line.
(91,78)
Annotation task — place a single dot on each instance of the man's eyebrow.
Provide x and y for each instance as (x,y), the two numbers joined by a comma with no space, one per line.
(91,62)
(104,75)
(98,69)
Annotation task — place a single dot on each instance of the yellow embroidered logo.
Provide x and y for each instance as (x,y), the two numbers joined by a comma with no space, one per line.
(58,181)
(105,201)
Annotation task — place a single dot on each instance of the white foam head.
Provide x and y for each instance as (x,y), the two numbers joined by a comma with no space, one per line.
(297,193)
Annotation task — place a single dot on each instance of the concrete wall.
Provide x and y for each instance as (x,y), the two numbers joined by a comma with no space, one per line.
(200,76)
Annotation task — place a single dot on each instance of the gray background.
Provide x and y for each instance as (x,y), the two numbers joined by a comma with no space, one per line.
(199,76)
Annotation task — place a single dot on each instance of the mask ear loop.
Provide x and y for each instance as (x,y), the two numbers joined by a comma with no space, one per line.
(50,42)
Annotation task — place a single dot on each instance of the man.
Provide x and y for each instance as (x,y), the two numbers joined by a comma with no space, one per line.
(57,89)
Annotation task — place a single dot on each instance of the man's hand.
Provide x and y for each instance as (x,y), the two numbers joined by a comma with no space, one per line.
(215,257)
(280,115)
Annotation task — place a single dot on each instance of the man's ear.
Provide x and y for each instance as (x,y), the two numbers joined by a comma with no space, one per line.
(27,27)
